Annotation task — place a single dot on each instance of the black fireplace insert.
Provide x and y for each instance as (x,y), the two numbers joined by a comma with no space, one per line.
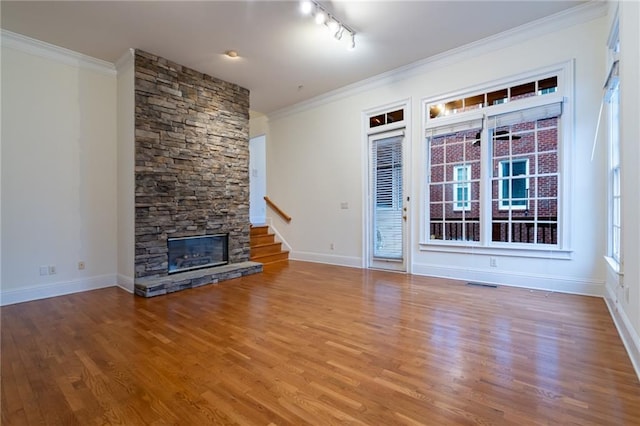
(205,251)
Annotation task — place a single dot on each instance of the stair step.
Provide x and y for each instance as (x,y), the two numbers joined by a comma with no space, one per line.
(271,258)
(259,230)
(264,249)
(260,239)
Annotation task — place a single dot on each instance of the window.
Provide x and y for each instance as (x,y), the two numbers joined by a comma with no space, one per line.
(494,166)
(386,118)
(503,95)
(615,198)
(616,226)
(461,188)
(525,178)
(454,182)
(612,99)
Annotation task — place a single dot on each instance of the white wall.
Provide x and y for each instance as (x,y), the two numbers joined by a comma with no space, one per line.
(257,179)
(258,124)
(316,158)
(58,175)
(258,129)
(314,163)
(584,273)
(125,172)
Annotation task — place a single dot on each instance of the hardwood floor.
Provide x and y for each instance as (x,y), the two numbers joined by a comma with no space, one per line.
(304,343)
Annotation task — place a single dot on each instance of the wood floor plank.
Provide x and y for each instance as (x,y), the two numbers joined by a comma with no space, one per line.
(305,343)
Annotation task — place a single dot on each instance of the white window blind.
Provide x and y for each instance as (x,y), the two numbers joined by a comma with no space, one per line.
(454,128)
(527,115)
(611,84)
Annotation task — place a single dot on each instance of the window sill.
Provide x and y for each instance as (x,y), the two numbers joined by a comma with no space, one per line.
(515,251)
(613,265)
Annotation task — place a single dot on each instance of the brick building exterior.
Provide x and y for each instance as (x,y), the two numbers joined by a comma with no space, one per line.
(454,205)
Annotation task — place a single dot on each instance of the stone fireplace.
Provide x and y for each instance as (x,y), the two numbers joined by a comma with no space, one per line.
(191,175)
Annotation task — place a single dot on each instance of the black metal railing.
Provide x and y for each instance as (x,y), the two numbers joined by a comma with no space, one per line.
(519,230)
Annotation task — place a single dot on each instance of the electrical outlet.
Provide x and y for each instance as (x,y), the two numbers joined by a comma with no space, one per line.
(331,246)
(44,270)
(81,265)
(493,262)
(52,269)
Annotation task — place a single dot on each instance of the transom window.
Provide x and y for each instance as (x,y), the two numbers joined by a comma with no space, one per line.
(493,172)
(386,118)
(540,87)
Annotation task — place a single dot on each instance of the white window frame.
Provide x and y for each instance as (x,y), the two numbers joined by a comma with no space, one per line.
(615,194)
(462,184)
(616,223)
(564,94)
(612,99)
(506,203)
(367,132)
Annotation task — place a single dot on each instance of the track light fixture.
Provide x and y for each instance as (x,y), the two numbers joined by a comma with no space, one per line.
(306,6)
(321,16)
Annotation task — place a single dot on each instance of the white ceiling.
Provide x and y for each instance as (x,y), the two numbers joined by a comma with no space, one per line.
(284,57)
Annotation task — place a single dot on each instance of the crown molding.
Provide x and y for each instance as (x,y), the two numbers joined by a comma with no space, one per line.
(577,15)
(126,60)
(59,54)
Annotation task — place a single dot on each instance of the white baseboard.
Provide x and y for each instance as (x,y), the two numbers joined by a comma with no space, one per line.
(125,283)
(627,333)
(9,297)
(513,279)
(354,262)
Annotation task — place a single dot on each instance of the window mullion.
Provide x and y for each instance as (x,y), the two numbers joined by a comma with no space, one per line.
(486,174)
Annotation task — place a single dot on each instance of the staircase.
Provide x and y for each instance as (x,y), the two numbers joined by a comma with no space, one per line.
(264,248)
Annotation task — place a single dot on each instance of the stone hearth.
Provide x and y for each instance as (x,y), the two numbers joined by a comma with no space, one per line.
(149,287)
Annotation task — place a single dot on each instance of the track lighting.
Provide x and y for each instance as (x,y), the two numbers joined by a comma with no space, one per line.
(320,17)
(335,26)
(306,6)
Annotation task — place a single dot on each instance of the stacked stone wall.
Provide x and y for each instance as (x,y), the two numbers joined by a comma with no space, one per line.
(191,161)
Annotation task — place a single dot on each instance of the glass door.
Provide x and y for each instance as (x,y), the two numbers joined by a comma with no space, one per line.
(388,207)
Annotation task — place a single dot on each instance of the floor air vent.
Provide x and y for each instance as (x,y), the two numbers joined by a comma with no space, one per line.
(483,285)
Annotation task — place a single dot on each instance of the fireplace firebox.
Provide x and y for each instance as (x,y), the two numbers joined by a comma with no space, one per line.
(189,253)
